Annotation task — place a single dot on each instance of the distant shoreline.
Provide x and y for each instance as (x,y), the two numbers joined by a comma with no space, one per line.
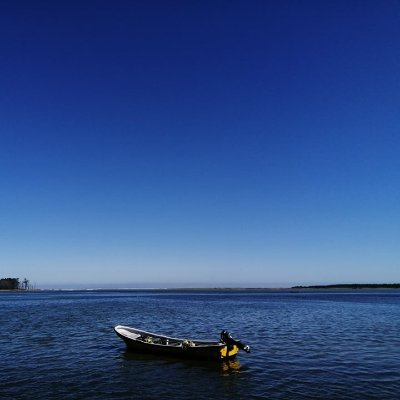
(354,286)
(335,287)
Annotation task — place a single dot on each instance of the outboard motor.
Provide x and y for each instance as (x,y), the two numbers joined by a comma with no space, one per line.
(230,341)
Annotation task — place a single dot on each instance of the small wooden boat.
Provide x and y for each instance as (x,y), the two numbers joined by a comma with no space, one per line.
(142,341)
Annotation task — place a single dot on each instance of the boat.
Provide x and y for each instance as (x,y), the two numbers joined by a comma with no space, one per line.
(147,342)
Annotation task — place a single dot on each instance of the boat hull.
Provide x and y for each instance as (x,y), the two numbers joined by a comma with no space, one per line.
(147,342)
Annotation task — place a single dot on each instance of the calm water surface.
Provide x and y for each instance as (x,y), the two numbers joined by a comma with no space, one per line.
(330,345)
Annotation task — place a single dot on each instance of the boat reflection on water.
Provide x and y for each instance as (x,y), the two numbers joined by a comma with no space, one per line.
(224,367)
(230,367)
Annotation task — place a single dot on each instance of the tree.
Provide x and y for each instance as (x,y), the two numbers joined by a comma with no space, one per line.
(9,284)
(25,284)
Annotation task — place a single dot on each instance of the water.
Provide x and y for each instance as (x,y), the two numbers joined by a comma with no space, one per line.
(316,345)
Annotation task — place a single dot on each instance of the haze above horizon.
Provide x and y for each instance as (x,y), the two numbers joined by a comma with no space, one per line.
(200,143)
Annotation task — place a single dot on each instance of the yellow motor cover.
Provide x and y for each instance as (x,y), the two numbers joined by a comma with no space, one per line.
(231,353)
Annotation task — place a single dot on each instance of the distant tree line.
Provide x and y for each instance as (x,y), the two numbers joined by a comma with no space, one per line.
(353,286)
(14,284)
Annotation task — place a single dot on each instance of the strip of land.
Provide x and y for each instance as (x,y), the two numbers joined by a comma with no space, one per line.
(353,286)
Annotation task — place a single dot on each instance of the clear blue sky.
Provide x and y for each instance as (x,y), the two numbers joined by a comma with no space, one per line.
(199,143)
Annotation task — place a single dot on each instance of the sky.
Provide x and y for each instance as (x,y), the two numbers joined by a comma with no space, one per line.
(199,143)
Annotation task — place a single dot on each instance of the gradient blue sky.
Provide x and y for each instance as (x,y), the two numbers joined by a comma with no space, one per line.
(199,143)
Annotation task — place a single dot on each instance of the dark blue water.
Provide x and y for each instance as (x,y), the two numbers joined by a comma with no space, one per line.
(61,345)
